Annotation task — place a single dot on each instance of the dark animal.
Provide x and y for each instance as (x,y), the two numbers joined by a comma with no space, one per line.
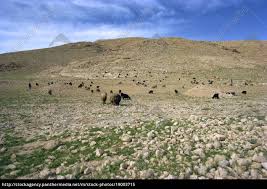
(210,82)
(70,83)
(81,85)
(124,95)
(115,99)
(50,92)
(176,92)
(111,92)
(215,96)
(97,87)
(163,85)
(30,86)
(154,86)
(244,92)
(233,93)
(235,51)
(97,90)
(37,84)
(92,91)
(104,97)
(151,92)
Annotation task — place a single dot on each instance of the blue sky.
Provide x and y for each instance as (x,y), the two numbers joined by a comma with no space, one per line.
(31,24)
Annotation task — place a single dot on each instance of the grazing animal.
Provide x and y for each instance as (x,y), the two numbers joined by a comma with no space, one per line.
(70,83)
(30,86)
(111,92)
(154,86)
(176,91)
(115,99)
(151,92)
(81,85)
(97,90)
(231,82)
(163,85)
(50,92)
(215,96)
(104,97)
(37,84)
(97,87)
(233,93)
(210,82)
(246,83)
(92,91)
(244,92)
(124,95)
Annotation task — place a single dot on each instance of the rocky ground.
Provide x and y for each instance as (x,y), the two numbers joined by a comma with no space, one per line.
(220,139)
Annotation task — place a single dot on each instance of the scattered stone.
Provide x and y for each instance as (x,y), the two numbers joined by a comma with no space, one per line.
(11,166)
(126,138)
(51,145)
(146,174)
(264,165)
(44,173)
(2,150)
(92,143)
(98,152)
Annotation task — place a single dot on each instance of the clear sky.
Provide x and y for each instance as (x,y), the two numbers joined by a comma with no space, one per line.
(31,24)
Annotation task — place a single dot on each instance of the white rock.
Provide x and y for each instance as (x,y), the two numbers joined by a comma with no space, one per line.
(259,158)
(14,173)
(74,151)
(59,170)
(13,157)
(202,170)
(11,166)
(243,162)
(150,135)
(199,152)
(219,137)
(60,177)
(87,171)
(92,143)
(69,177)
(145,154)
(126,138)
(217,144)
(44,173)
(3,150)
(223,163)
(51,144)
(146,174)
(219,158)
(171,177)
(84,141)
(98,152)
(264,165)
(159,153)
(254,173)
